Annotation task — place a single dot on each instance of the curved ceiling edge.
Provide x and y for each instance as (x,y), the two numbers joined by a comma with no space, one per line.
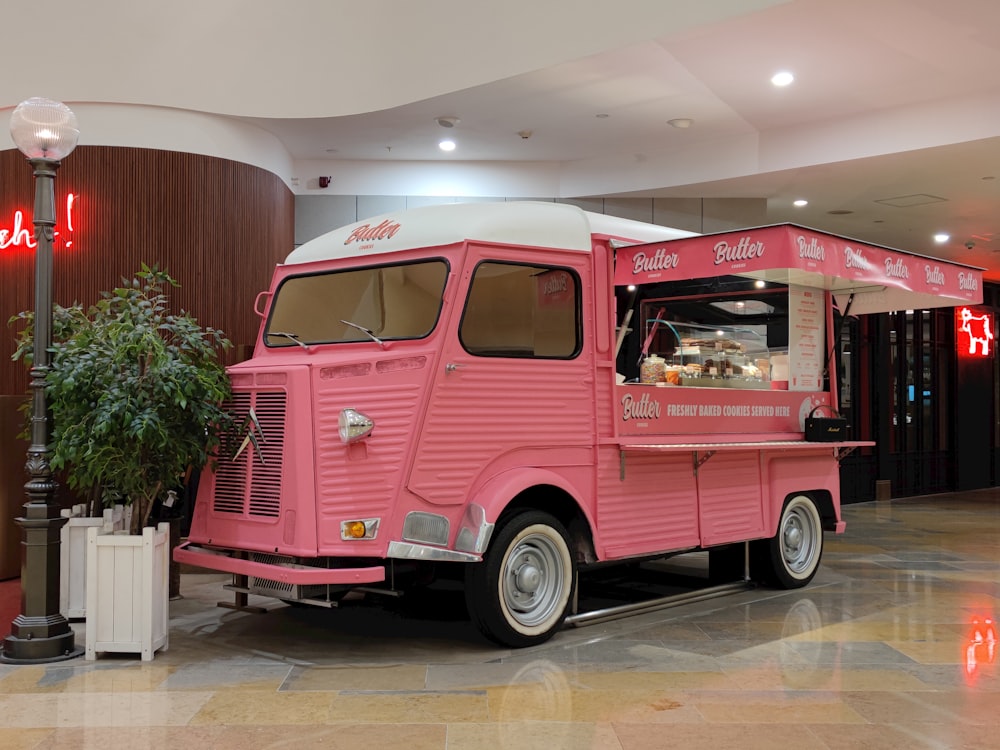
(173,130)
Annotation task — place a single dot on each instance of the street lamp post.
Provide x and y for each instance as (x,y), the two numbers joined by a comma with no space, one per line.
(45,132)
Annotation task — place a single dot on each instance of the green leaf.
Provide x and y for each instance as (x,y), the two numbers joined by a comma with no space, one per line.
(135,391)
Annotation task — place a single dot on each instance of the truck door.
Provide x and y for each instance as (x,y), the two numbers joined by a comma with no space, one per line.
(515,384)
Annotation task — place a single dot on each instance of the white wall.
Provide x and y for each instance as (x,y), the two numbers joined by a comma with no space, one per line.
(317,214)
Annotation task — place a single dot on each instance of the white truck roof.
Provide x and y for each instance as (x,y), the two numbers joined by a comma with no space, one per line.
(531,223)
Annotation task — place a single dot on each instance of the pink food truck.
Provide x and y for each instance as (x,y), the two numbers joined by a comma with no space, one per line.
(513,392)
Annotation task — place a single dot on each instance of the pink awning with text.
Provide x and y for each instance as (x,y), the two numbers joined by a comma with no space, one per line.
(881,279)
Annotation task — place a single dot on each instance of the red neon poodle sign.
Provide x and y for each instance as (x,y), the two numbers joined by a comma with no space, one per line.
(19,232)
(974,333)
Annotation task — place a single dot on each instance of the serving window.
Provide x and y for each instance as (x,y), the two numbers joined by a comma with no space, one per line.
(727,332)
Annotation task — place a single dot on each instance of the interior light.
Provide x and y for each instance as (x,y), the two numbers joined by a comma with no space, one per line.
(782,78)
(800,202)
(760,283)
(941,237)
(447,145)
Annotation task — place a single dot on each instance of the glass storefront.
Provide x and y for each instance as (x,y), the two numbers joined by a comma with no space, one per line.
(904,386)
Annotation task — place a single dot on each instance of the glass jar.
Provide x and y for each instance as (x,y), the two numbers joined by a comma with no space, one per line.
(652,370)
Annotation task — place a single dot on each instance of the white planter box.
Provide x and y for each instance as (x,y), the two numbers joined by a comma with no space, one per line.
(127,591)
(73,556)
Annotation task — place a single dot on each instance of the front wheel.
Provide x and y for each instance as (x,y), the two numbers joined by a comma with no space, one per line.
(519,594)
(791,557)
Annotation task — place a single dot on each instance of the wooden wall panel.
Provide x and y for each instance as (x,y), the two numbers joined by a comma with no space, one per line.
(217,226)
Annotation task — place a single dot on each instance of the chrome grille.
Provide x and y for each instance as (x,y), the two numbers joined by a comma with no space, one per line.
(249,484)
(280,589)
(266,586)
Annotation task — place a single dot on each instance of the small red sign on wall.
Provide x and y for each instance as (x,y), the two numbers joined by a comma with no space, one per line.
(974,332)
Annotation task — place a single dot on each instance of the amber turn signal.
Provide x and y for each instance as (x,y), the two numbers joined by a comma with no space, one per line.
(355,529)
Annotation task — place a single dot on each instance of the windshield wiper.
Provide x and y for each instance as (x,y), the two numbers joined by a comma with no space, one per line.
(365,331)
(293,336)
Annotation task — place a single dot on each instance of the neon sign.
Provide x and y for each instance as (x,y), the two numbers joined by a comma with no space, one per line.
(16,232)
(974,333)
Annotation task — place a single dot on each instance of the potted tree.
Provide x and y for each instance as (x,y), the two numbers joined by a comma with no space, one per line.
(136,394)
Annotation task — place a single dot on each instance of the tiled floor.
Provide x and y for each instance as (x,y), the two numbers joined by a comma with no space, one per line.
(888,648)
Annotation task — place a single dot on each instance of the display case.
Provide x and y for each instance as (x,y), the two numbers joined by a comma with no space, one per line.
(710,356)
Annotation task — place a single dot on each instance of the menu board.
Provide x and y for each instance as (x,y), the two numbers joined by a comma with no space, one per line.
(806,342)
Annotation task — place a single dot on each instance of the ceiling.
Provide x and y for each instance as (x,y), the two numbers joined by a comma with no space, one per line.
(894,117)
(891,129)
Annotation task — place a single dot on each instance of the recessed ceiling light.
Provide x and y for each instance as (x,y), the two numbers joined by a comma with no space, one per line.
(602,115)
(331,151)
(681,122)
(447,145)
(782,78)
(800,202)
(760,283)
(447,122)
(941,237)
(840,212)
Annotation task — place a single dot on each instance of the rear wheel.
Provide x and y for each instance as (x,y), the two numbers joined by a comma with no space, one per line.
(791,557)
(519,594)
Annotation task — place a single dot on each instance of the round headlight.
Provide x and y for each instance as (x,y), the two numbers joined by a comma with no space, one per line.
(354,425)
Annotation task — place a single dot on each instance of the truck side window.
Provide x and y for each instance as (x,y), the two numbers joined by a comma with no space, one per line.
(518,310)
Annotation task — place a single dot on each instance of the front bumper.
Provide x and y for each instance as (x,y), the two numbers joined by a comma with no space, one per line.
(286,573)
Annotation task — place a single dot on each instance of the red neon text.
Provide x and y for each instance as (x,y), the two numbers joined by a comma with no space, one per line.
(17,233)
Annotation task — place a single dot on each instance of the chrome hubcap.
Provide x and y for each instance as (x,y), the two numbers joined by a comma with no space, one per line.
(532,584)
(798,540)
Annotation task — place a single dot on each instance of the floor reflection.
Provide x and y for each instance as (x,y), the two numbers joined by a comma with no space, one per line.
(892,646)
(981,648)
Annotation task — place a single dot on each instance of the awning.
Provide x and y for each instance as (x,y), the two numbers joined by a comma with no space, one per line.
(881,279)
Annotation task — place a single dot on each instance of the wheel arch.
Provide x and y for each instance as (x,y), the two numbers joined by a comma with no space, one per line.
(539,489)
(814,475)
(828,512)
(824,504)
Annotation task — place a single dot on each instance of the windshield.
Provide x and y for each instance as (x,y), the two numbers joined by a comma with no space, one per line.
(367,304)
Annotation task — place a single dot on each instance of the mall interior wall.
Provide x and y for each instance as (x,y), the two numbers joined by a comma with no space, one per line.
(216,225)
(317,214)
